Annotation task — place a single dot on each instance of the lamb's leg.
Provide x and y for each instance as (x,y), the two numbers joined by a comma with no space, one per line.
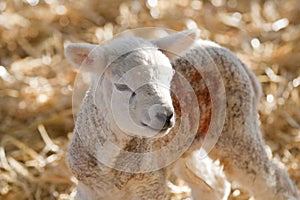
(205,177)
(246,163)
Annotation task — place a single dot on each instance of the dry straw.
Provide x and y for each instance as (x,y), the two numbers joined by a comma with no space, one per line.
(36,81)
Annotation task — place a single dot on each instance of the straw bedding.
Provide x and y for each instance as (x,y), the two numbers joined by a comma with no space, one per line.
(36,82)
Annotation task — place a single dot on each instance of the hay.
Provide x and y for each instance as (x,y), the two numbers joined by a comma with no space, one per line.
(36,81)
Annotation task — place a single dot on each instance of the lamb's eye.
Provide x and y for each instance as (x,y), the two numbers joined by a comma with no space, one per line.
(122,87)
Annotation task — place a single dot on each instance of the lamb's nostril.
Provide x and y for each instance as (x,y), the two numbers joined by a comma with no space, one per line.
(169,122)
(169,117)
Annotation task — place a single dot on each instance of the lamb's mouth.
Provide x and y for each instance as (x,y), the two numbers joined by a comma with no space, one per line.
(163,129)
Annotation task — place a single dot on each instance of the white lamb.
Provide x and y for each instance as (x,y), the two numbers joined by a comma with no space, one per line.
(119,109)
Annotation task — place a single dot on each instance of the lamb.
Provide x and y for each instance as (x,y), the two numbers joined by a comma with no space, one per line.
(129,115)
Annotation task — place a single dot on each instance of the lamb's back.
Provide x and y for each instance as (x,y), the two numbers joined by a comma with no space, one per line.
(198,65)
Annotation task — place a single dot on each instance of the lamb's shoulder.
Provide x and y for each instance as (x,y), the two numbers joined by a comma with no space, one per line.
(89,133)
(234,72)
(208,63)
(88,169)
(219,66)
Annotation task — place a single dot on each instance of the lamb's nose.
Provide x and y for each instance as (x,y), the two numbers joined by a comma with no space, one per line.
(166,117)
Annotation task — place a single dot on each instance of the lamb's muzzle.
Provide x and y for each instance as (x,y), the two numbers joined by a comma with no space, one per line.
(159,117)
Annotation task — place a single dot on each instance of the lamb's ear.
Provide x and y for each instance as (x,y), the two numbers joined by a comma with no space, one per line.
(84,55)
(174,44)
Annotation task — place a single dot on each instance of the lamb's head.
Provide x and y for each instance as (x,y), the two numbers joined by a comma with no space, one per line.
(142,89)
(131,79)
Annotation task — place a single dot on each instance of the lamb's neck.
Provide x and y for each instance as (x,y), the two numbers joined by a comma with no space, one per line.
(101,121)
(107,143)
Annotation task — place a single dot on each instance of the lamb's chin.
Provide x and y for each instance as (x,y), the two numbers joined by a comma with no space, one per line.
(163,133)
(151,132)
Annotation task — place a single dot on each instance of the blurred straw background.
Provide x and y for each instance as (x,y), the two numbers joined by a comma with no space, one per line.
(36,82)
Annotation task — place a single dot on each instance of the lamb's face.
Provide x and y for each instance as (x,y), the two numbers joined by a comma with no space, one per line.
(136,87)
(132,79)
